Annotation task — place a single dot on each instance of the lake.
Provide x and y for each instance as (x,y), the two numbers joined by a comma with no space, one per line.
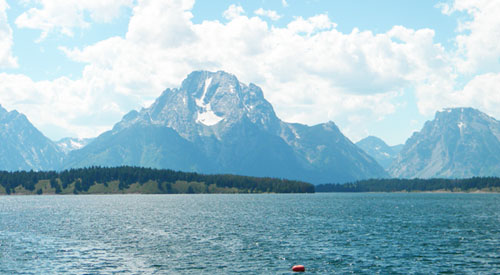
(268,233)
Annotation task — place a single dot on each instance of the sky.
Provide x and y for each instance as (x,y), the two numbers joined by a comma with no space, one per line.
(382,68)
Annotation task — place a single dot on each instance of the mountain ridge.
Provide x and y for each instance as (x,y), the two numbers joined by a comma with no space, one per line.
(212,123)
(69,144)
(379,150)
(229,127)
(459,142)
(22,146)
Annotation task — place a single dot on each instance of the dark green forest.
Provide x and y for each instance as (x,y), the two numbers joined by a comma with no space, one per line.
(127,179)
(486,184)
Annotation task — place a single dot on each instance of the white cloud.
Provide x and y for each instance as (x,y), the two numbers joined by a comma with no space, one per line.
(284,3)
(310,71)
(162,23)
(311,25)
(64,104)
(478,47)
(66,15)
(477,58)
(273,15)
(233,12)
(481,93)
(7,60)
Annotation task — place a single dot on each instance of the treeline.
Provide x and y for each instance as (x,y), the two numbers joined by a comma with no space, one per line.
(141,180)
(414,185)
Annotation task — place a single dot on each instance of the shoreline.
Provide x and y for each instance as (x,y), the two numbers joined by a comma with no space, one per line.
(264,193)
(424,192)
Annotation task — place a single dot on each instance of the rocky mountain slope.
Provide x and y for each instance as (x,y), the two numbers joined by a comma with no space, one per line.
(458,143)
(23,147)
(69,144)
(379,150)
(213,123)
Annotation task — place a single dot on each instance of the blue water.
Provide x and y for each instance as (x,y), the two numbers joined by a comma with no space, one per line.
(328,233)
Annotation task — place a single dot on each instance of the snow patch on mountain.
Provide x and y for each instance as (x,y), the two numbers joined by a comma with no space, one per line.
(201,101)
(208,118)
(67,145)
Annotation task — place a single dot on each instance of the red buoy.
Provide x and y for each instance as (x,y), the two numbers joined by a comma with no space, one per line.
(298,268)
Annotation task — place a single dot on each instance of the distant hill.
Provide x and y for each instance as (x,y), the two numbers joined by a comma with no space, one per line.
(379,150)
(125,179)
(458,143)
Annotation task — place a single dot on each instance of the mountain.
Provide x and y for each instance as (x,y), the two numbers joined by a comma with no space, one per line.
(379,150)
(23,147)
(69,144)
(458,143)
(213,123)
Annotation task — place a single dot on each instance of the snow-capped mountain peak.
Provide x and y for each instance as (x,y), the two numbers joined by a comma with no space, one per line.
(207,103)
(213,123)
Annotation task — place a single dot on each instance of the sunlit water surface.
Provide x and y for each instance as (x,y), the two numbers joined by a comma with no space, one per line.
(328,233)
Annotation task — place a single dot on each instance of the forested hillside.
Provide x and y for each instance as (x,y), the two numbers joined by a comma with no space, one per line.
(127,179)
(486,184)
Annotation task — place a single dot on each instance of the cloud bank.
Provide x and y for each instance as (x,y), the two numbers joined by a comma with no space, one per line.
(7,60)
(309,70)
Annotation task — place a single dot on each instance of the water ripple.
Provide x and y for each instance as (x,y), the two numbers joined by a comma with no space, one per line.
(193,234)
